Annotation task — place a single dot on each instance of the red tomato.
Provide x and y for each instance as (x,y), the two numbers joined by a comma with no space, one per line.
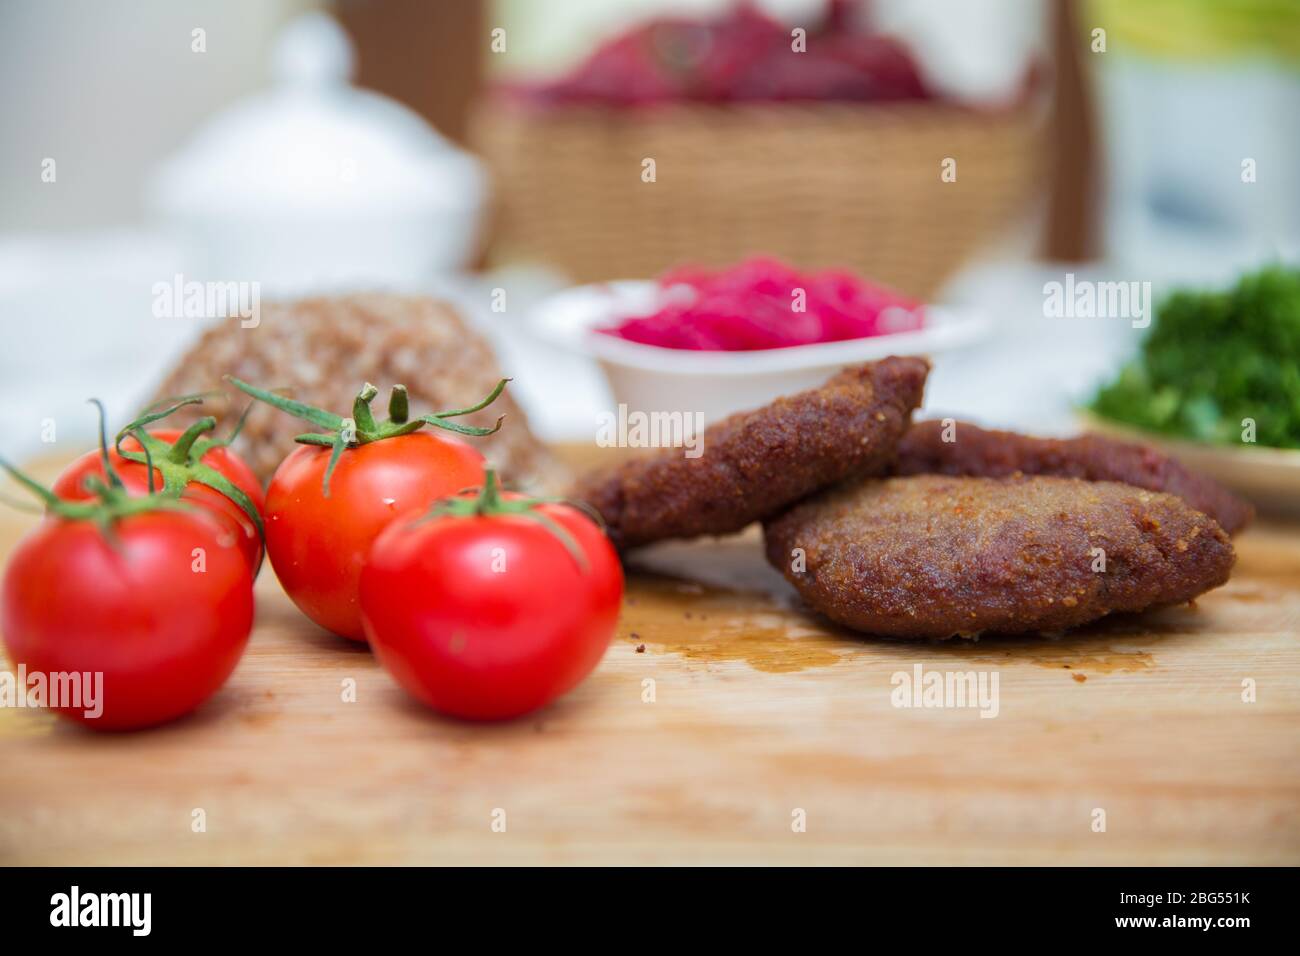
(491,616)
(317,544)
(70,485)
(164,634)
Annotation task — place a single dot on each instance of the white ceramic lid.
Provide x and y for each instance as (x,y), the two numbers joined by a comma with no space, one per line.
(314,145)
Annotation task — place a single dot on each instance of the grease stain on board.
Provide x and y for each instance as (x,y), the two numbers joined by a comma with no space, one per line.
(713,625)
(1090,656)
(778,649)
(718,602)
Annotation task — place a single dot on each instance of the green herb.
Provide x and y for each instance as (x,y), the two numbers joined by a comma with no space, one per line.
(1213,360)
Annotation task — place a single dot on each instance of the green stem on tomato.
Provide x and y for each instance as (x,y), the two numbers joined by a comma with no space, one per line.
(112,501)
(180,450)
(399,405)
(339,433)
(110,472)
(489,501)
(180,463)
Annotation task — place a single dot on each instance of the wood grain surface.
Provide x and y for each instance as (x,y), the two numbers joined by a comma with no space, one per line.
(760,716)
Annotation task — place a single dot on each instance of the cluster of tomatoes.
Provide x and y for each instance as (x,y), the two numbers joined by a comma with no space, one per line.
(484,604)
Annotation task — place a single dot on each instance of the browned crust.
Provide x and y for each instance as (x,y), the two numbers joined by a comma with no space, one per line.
(993,454)
(936,556)
(756,463)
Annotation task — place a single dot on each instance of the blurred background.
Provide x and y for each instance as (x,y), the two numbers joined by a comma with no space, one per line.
(470,147)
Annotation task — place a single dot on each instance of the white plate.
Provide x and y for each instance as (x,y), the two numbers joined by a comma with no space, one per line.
(1269,477)
(652,378)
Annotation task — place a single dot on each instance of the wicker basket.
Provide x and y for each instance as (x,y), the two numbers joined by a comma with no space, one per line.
(817,185)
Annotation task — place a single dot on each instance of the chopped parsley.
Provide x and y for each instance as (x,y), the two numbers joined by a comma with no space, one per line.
(1212,360)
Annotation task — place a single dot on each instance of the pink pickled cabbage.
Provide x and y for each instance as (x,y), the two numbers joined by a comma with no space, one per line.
(754,305)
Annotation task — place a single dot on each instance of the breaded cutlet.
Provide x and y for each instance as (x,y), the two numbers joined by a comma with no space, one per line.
(933,556)
(994,454)
(755,464)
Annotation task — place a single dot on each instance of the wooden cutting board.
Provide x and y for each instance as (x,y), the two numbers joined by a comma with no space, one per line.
(725,725)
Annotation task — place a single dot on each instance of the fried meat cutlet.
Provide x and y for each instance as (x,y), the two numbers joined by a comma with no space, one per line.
(755,464)
(936,556)
(994,454)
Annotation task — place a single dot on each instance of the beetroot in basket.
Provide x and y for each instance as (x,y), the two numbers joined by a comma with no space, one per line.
(764,304)
(742,55)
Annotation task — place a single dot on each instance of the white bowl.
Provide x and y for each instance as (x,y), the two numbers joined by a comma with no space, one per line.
(652,378)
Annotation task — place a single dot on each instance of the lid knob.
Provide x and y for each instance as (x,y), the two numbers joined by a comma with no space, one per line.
(312,50)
